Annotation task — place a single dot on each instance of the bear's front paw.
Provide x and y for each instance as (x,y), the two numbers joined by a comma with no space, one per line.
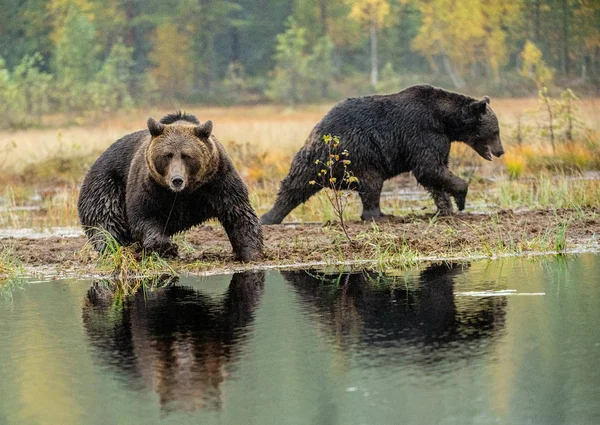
(248,255)
(164,248)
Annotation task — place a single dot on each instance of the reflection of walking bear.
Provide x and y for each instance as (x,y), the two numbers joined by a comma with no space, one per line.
(369,314)
(154,183)
(388,135)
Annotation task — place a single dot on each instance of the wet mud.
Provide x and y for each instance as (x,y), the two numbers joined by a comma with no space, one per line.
(207,248)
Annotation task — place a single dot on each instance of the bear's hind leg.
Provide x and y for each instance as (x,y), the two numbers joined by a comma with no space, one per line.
(370,194)
(295,189)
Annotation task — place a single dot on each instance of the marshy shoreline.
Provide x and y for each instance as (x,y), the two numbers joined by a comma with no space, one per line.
(396,243)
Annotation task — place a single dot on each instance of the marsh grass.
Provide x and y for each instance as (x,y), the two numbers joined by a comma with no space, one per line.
(127,265)
(10,266)
(11,272)
(42,169)
(560,242)
(389,251)
(546,190)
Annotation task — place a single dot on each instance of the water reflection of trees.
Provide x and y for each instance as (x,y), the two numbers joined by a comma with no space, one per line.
(176,340)
(366,311)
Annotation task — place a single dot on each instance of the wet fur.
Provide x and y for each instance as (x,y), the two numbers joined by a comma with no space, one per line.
(124,194)
(392,134)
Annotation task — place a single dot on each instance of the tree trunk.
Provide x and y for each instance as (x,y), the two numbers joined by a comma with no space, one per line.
(457,80)
(374,64)
(536,21)
(235,45)
(565,28)
(324,30)
(323,16)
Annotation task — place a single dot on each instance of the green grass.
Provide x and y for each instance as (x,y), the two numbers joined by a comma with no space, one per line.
(11,272)
(127,266)
(10,266)
(543,191)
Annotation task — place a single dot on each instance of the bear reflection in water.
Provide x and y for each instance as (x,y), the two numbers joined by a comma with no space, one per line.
(365,311)
(175,340)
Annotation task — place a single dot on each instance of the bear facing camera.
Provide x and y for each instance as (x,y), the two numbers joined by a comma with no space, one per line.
(154,183)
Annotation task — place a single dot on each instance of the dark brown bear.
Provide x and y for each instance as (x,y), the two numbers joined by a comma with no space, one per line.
(154,183)
(392,134)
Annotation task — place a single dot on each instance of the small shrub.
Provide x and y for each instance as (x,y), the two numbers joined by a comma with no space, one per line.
(333,173)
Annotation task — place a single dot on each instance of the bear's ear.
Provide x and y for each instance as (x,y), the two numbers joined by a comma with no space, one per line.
(477,107)
(156,128)
(203,131)
(487,99)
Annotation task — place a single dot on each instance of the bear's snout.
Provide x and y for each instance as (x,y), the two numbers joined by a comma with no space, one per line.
(176,176)
(498,153)
(177,182)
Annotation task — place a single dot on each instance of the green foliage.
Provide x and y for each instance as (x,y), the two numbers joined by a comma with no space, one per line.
(299,71)
(25,93)
(110,88)
(76,61)
(290,51)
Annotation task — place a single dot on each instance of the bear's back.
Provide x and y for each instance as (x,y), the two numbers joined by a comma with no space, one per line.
(416,108)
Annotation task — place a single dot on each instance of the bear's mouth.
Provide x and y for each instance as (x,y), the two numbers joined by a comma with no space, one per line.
(485,152)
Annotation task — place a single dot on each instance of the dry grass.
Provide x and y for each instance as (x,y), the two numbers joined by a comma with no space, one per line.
(266,129)
(42,168)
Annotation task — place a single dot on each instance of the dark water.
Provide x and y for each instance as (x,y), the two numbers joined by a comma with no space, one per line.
(508,342)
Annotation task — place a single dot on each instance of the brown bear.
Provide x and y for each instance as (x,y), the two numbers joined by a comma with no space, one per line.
(154,183)
(392,134)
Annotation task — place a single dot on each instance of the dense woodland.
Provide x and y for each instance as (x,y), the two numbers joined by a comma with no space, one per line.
(74,56)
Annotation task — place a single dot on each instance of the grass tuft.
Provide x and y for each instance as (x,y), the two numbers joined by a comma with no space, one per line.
(128,265)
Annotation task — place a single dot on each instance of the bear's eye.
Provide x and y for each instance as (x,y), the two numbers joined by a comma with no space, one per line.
(168,156)
(185,156)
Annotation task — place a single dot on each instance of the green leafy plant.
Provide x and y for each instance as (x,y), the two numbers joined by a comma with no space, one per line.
(333,173)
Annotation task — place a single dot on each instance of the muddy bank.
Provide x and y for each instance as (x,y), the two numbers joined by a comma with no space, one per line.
(399,239)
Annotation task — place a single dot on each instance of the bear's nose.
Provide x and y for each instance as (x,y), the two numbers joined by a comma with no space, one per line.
(177,181)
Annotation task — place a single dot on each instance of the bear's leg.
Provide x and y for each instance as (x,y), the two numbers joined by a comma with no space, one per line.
(442,202)
(245,234)
(295,189)
(370,194)
(231,206)
(442,179)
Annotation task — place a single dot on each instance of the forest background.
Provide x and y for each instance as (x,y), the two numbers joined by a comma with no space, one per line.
(77,56)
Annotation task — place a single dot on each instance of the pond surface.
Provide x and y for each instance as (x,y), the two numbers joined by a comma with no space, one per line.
(505,342)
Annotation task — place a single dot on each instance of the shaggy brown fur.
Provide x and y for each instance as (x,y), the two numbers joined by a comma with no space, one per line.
(154,183)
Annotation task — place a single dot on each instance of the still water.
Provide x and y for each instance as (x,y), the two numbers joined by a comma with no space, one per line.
(505,342)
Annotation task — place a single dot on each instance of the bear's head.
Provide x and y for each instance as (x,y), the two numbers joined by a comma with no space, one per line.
(181,156)
(483,133)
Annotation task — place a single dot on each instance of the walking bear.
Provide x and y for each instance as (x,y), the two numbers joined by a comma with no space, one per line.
(154,183)
(391,134)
